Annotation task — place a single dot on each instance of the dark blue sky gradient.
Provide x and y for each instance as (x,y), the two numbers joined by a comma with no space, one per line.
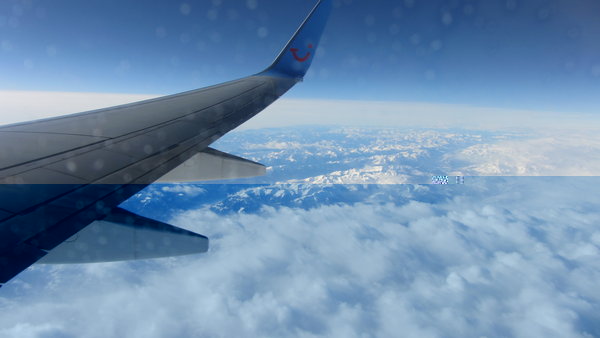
(534,54)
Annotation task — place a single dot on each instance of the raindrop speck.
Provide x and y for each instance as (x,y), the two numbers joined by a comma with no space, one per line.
(251,4)
(430,74)
(185,8)
(51,50)
(415,39)
(28,63)
(436,45)
(511,5)
(447,18)
(262,32)
(160,32)
(469,10)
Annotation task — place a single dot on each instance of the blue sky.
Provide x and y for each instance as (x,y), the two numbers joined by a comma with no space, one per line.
(538,55)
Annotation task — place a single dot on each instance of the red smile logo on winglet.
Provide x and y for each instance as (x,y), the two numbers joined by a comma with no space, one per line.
(300,59)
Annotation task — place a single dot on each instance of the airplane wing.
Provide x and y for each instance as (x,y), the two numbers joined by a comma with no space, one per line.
(63,178)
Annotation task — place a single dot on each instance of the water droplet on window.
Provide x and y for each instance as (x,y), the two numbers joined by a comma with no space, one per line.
(212,14)
(251,4)
(40,12)
(436,45)
(372,37)
(7,45)
(215,36)
(262,32)
(123,66)
(28,63)
(468,10)
(185,8)
(574,32)
(430,74)
(160,32)
(447,18)
(511,5)
(17,10)
(184,38)
(415,39)
(233,15)
(51,50)
(543,13)
(71,166)
(13,22)
(98,164)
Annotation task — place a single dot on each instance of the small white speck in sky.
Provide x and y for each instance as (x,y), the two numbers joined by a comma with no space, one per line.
(161,32)
(185,8)
(251,4)
(51,50)
(262,32)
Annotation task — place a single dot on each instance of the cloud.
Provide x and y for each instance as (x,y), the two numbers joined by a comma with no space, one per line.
(576,153)
(20,106)
(291,112)
(493,257)
(353,155)
(183,189)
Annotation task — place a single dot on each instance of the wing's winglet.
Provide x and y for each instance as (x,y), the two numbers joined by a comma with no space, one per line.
(295,58)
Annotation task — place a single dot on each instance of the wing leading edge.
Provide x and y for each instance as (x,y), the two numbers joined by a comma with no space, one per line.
(59,175)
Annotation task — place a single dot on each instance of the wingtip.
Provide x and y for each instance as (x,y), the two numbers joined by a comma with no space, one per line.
(297,55)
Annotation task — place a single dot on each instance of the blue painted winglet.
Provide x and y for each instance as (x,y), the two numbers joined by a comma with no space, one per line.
(295,58)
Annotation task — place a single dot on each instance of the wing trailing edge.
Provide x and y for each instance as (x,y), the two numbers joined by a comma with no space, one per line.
(211,164)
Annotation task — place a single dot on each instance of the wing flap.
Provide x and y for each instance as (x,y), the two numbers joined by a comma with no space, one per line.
(123,235)
(212,164)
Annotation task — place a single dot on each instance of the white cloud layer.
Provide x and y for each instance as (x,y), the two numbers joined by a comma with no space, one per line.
(576,153)
(352,155)
(183,189)
(292,112)
(20,106)
(494,257)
